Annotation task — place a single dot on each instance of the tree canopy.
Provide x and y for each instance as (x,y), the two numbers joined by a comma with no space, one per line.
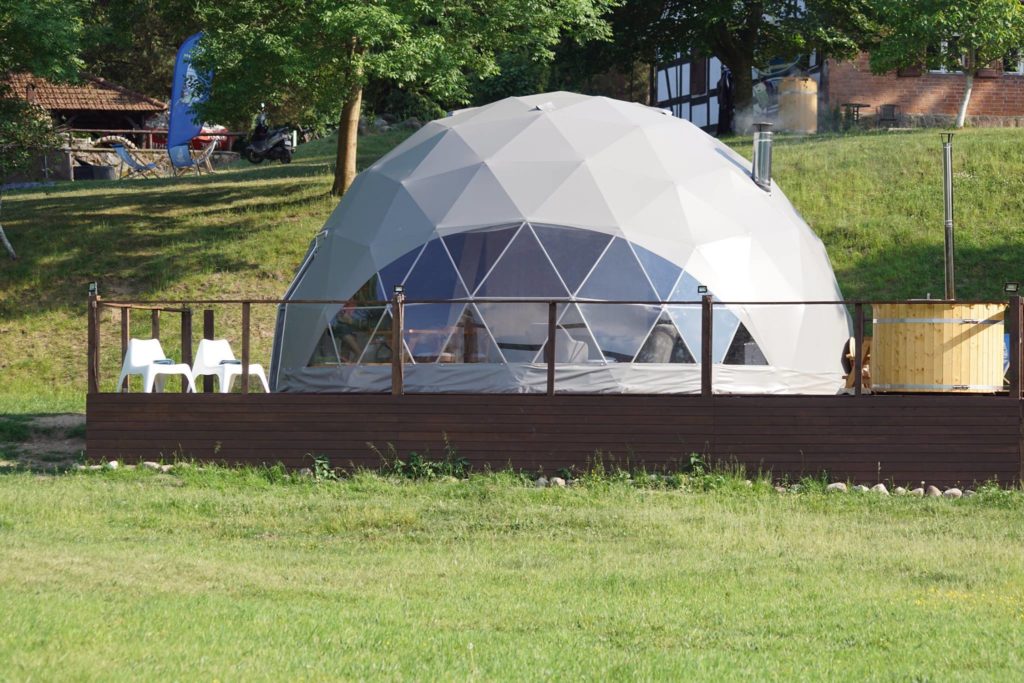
(958,35)
(317,55)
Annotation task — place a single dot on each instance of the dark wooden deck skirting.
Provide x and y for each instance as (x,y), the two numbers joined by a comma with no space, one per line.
(943,440)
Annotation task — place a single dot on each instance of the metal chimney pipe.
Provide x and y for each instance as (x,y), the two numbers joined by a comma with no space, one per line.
(947,188)
(761,170)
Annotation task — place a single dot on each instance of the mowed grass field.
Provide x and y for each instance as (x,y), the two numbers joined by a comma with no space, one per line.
(251,575)
(874,198)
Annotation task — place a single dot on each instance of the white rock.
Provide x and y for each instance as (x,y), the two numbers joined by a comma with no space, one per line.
(952,493)
(541,482)
(836,486)
(557,481)
(305,472)
(112,465)
(95,468)
(166,468)
(748,483)
(932,492)
(150,465)
(880,488)
(899,491)
(919,492)
(780,489)
(968,493)
(861,488)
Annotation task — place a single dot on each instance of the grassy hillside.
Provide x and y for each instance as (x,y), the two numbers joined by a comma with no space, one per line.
(875,199)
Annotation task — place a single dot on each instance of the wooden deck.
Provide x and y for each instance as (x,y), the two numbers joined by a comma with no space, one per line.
(942,439)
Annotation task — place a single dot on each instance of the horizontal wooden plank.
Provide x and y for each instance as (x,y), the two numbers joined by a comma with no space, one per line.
(950,438)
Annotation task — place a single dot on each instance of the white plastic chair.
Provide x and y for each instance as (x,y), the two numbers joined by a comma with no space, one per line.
(147,358)
(215,357)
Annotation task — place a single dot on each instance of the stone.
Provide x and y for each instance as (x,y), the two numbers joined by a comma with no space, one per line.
(541,482)
(780,489)
(932,492)
(305,472)
(150,465)
(919,492)
(861,488)
(952,493)
(880,488)
(412,123)
(749,484)
(557,481)
(95,468)
(166,468)
(380,122)
(899,491)
(968,493)
(112,465)
(837,486)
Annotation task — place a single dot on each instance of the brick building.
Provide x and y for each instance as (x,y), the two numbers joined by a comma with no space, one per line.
(930,97)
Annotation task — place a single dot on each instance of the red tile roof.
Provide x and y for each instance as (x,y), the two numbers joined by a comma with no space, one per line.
(92,93)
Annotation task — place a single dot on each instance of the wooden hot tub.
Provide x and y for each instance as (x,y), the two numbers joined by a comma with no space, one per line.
(926,347)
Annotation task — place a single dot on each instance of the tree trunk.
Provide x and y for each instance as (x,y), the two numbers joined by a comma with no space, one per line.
(348,139)
(961,114)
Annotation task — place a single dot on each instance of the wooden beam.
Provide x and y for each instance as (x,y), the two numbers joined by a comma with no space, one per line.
(208,334)
(155,323)
(706,337)
(858,350)
(245,347)
(93,353)
(186,342)
(1013,318)
(126,321)
(397,344)
(549,347)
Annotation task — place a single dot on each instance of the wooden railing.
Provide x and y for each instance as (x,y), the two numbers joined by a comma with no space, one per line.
(1014,325)
(145,133)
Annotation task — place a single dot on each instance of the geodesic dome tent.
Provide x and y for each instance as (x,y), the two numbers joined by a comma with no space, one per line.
(571,198)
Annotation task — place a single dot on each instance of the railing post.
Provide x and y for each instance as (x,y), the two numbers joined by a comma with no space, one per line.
(706,337)
(93,359)
(1014,371)
(858,348)
(397,346)
(126,318)
(549,347)
(208,334)
(245,347)
(155,323)
(186,341)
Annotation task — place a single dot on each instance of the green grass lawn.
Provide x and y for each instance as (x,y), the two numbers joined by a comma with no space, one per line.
(249,575)
(875,199)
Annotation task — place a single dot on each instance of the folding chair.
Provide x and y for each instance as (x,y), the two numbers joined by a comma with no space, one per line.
(182,159)
(134,166)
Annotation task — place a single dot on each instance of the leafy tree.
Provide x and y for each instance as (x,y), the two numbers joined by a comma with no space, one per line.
(318,55)
(40,37)
(134,42)
(960,35)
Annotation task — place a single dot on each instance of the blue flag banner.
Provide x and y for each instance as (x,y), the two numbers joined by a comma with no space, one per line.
(182,125)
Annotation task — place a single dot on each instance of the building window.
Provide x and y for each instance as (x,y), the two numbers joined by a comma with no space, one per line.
(936,57)
(1013,62)
(699,76)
